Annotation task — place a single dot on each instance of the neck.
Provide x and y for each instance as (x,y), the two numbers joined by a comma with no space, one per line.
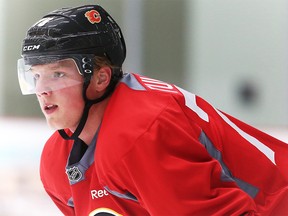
(94,119)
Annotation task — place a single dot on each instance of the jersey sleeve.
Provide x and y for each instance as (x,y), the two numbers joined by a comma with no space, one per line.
(52,172)
(170,172)
(197,160)
(256,161)
(185,157)
(62,206)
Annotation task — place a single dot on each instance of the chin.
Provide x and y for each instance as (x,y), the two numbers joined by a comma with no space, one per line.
(55,126)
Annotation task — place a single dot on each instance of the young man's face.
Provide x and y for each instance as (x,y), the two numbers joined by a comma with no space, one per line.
(58,87)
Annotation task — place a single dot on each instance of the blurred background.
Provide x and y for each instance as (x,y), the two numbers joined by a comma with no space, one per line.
(232,53)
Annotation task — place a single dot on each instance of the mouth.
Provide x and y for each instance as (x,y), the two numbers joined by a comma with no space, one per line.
(50,108)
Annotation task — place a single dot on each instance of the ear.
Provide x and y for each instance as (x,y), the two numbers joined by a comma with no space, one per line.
(102,78)
(99,82)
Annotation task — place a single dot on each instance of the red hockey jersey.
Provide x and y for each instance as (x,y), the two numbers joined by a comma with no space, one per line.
(161,150)
(75,189)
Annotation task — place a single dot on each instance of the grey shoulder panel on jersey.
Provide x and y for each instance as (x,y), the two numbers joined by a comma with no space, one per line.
(132,82)
(226,174)
(128,196)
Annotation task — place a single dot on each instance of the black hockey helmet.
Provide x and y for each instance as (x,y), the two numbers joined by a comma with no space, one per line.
(85,29)
(80,33)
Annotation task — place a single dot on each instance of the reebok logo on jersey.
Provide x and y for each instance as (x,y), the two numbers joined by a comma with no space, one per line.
(96,194)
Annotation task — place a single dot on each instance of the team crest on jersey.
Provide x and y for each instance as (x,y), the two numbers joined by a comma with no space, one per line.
(74,174)
(93,16)
(104,212)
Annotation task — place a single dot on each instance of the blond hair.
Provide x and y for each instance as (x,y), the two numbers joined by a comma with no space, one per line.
(102,61)
(117,73)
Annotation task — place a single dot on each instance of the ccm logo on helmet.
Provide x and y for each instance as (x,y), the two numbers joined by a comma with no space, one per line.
(93,16)
(31,47)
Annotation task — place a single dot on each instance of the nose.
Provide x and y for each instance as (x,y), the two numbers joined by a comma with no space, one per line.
(43,93)
(41,88)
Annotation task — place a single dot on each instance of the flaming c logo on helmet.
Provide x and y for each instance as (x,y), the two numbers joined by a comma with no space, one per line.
(93,16)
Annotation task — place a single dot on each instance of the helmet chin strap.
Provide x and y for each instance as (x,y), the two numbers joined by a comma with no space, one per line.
(88,104)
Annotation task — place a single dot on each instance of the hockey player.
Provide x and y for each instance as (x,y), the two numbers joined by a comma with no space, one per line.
(126,144)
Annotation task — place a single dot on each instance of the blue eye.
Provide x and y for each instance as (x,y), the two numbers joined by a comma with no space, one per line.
(58,74)
(36,76)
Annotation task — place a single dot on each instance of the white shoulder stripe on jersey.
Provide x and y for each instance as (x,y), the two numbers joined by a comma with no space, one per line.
(269,153)
(190,102)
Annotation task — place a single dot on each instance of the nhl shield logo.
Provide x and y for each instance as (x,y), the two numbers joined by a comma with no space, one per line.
(74,174)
